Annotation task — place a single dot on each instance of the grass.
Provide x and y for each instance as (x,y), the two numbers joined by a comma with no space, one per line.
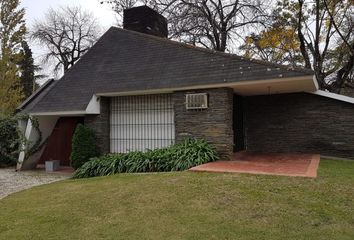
(184,205)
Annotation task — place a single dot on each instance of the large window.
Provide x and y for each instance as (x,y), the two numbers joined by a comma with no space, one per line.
(143,122)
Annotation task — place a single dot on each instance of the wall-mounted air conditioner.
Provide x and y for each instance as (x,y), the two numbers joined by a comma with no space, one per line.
(196,101)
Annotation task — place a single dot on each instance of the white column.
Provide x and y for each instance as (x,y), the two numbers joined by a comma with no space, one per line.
(46,126)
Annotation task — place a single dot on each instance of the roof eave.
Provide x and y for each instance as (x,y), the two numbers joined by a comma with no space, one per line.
(93,107)
(34,95)
(312,86)
(335,96)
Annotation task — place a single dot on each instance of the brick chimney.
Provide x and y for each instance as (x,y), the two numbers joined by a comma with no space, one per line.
(145,20)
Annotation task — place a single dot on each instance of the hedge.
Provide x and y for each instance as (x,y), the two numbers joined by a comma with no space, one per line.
(83,146)
(10,140)
(178,157)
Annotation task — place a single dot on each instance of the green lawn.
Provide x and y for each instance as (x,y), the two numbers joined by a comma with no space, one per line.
(184,205)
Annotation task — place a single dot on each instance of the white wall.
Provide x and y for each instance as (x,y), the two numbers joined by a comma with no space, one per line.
(46,126)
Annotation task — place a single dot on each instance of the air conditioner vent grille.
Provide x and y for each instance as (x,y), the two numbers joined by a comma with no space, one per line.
(196,101)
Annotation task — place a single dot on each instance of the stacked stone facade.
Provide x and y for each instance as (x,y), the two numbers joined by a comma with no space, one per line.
(300,123)
(100,125)
(213,124)
(289,123)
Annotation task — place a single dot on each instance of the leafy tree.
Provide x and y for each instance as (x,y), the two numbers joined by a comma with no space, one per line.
(10,87)
(12,31)
(67,34)
(344,77)
(9,145)
(324,38)
(277,44)
(28,68)
(13,140)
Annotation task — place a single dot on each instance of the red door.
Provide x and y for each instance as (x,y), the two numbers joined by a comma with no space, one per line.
(58,145)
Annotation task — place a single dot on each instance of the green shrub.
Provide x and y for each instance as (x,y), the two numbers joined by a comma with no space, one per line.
(83,146)
(191,153)
(178,157)
(161,159)
(10,140)
(94,167)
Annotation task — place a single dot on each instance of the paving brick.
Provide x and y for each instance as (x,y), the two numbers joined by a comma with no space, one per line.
(300,165)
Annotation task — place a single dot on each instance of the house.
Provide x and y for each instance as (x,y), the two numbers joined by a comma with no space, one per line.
(138,90)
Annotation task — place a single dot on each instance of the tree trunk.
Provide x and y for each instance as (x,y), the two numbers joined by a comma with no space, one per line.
(301,37)
(342,75)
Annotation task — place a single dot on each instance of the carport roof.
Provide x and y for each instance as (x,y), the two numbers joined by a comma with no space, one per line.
(127,61)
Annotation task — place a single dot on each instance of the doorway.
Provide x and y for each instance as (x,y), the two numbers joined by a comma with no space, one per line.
(238,123)
(58,145)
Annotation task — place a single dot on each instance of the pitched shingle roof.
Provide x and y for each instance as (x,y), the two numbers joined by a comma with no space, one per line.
(36,96)
(124,61)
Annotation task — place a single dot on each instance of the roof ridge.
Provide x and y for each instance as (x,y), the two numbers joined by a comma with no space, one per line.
(210,51)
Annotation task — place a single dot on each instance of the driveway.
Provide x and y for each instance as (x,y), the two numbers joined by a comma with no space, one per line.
(12,181)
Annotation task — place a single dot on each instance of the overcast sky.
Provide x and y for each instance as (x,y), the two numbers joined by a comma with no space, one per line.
(36,9)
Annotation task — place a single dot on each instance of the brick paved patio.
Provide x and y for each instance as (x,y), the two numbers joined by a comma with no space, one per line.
(301,165)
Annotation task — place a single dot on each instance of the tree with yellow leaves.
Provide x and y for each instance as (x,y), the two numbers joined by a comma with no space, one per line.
(10,87)
(318,35)
(278,44)
(12,31)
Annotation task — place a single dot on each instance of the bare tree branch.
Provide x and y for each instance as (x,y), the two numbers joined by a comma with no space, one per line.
(344,39)
(67,34)
(208,23)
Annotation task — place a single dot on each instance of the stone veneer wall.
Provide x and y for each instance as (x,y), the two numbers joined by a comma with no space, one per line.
(99,123)
(214,124)
(299,122)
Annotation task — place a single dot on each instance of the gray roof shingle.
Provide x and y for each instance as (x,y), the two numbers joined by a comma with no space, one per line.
(36,96)
(124,61)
